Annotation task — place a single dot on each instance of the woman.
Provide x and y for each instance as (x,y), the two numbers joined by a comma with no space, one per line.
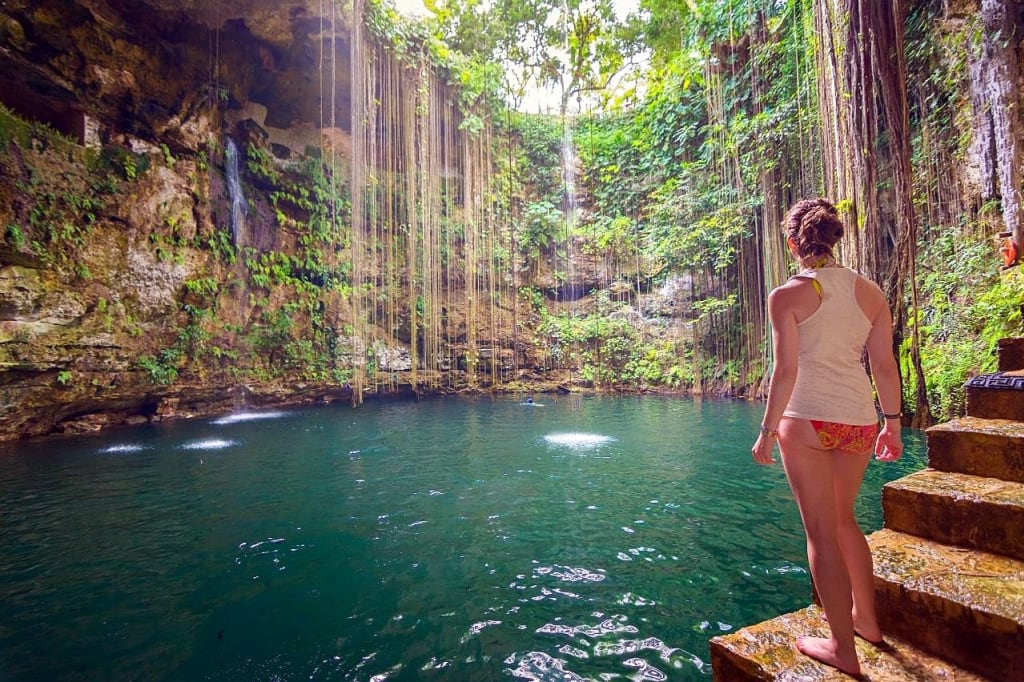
(821,410)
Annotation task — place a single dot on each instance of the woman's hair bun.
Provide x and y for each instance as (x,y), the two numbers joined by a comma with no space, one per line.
(814,226)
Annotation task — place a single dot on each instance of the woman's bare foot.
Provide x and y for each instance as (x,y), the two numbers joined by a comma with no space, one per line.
(870,634)
(877,641)
(824,650)
(868,629)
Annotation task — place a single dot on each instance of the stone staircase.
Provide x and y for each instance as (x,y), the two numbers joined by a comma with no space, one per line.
(949,562)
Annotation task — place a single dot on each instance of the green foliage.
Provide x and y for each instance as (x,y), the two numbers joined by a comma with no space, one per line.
(542,223)
(540,156)
(193,337)
(274,337)
(219,242)
(658,363)
(968,306)
(259,163)
(36,136)
(61,211)
(131,170)
(313,205)
(476,77)
(104,313)
(204,287)
(15,236)
(163,367)
(574,47)
(709,307)
(610,351)
(168,157)
(697,229)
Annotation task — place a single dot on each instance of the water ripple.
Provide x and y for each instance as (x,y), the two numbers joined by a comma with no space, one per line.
(538,666)
(570,574)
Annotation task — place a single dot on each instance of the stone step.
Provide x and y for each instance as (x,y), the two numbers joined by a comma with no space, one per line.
(993,448)
(958,509)
(766,651)
(1010,352)
(996,396)
(965,606)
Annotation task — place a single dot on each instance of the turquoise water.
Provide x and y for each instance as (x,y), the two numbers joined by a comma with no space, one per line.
(457,539)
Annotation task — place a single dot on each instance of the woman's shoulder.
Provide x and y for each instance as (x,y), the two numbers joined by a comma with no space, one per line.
(859,281)
(794,284)
(796,291)
(870,296)
(867,284)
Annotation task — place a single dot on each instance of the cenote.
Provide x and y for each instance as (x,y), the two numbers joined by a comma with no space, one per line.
(457,539)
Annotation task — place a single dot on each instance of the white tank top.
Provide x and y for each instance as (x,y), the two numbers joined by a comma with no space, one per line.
(831,381)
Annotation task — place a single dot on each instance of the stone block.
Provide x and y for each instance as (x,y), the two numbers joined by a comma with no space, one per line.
(1011,354)
(766,651)
(958,509)
(966,606)
(993,448)
(996,396)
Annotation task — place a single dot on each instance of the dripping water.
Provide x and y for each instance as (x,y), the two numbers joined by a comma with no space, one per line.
(571,290)
(239,209)
(569,173)
(239,212)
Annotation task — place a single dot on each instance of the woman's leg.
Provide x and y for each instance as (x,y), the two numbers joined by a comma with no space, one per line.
(811,471)
(849,473)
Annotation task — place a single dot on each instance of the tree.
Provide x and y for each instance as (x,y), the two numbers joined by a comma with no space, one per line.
(575,47)
(868,166)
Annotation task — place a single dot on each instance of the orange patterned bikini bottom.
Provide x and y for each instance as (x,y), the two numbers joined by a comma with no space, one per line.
(848,437)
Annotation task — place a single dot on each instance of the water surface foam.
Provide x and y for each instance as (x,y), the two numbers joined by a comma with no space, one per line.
(577,440)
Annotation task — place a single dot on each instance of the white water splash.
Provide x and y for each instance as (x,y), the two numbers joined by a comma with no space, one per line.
(247,417)
(209,444)
(577,440)
(124,448)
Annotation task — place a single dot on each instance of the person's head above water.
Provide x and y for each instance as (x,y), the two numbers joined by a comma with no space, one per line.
(813,227)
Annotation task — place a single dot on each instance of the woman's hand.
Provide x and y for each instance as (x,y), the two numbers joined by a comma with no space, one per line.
(888,445)
(762,449)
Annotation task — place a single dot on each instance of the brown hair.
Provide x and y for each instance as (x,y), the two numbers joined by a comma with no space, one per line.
(814,226)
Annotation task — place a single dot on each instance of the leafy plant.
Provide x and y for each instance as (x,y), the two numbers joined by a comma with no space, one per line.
(163,367)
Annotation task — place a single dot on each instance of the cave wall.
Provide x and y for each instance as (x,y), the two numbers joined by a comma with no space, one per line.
(112,226)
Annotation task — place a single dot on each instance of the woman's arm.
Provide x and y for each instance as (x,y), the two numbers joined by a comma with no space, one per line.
(885,373)
(785,348)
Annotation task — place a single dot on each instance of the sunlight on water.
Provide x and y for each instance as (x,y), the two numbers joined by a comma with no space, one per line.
(247,417)
(209,444)
(577,440)
(122,449)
